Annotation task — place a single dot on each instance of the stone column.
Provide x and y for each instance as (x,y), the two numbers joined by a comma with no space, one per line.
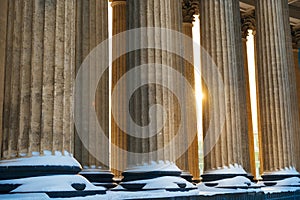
(118,137)
(259,127)
(275,90)
(248,23)
(92,30)
(156,152)
(3,23)
(296,47)
(221,38)
(292,78)
(189,161)
(39,74)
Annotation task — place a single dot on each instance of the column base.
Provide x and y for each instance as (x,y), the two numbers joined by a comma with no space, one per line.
(237,182)
(55,186)
(280,174)
(217,177)
(278,177)
(231,171)
(15,172)
(38,166)
(168,183)
(162,176)
(134,176)
(99,177)
(56,176)
(187,176)
(196,180)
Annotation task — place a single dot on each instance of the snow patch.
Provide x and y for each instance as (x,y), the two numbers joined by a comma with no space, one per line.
(147,194)
(287,170)
(155,166)
(294,181)
(29,196)
(232,169)
(285,185)
(211,191)
(164,182)
(50,183)
(58,153)
(93,197)
(35,153)
(272,190)
(236,181)
(47,160)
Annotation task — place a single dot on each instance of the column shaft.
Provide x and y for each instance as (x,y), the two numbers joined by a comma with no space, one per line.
(275,101)
(3,25)
(92,29)
(259,127)
(91,151)
(296,46)
(292,79)
(118,137)
(191,117)
(151,14)
(31,97)
(155,148)
(297,74)
(221,38)
(37,145)
(189,161)
(248,23)
(249,165)
(39,51)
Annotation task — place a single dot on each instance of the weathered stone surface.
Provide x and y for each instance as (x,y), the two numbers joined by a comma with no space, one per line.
(275,89)
(248,23)
(189,161)
(221,38)
(92,29)
(3,23)
(296,45)
(38,88)
(118,137)
(154,14)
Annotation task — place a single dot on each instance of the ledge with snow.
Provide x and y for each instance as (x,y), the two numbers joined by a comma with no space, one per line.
(63,181)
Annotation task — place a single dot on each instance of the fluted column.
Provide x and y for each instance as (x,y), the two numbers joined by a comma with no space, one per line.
(92,30)
(118,137)
(156,156)
(39,76)
(147,11)
(275,98)
(189,161)
(248,23)
(221,38)
(3,23)
(39,73)
(296,47)
(292,78)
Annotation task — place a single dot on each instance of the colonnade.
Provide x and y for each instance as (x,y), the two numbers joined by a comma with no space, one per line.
(43,43)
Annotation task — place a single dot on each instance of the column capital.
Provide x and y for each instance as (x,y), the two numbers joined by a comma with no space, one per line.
(296,36)
(189,9)
(117,2)
(248,23)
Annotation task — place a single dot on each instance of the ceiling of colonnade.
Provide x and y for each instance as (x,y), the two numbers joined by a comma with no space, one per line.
(248,5)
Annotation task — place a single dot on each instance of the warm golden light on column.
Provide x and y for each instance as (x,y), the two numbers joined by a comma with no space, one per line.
(252,84)
(198,90)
